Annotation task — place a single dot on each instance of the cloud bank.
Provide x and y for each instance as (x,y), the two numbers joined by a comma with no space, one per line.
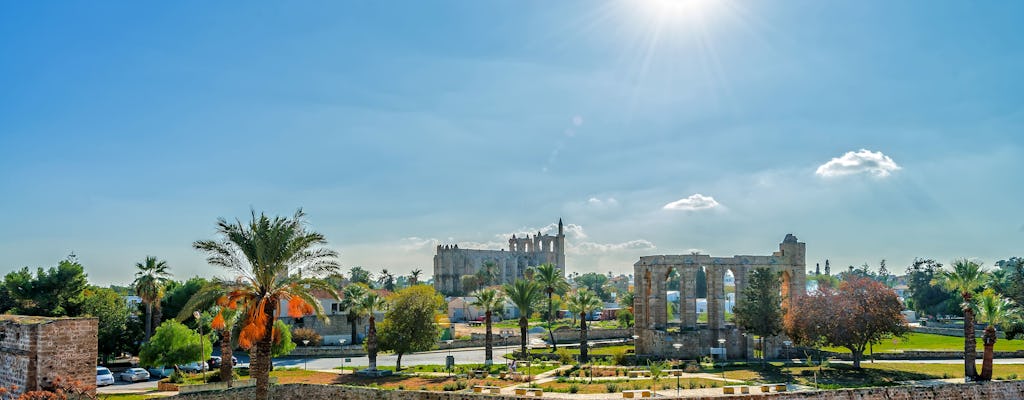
(695,202)
(860,162)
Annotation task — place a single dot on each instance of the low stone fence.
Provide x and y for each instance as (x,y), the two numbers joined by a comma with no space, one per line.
(327,351)
(568,335)
(976,391)
(953,331)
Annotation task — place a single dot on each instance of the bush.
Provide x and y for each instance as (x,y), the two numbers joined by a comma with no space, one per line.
(461,384)
(574,388)
(564,356)
(449,387)
(691,384)
(618,356)
(300,334)
(692,367)
(611,387)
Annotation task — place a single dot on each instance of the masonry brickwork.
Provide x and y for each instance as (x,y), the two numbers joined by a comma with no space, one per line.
(36,350)
(973,391)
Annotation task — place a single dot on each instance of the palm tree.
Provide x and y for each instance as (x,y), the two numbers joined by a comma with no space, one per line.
(149,284)
(352,297)
(386,280)
(525,295)
(966,277)
(586,302)
(414,277)
(551,279)
(268,254)
(488,274)
(993,310)
(370,303)
(489,300)
(212,296)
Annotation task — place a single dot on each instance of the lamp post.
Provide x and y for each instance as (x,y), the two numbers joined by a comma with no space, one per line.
(677,346)
(449,368)
(590,345)
(199,324)
(305,360)
(504,341)
(341,342)
(721,345)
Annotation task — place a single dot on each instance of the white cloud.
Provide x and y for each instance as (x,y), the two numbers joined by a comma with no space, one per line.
(695,202)
(599,248)
(602,203)
(860,162)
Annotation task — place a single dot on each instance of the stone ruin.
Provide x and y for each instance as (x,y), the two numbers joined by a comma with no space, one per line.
(657,334)
(36,350)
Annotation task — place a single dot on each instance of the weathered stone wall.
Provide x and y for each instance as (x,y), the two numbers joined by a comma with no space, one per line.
(35,350)
(568,335)
(978,391)
(953,331)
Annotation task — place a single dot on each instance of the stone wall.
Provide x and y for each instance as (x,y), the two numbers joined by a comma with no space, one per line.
(36,350)
(953,331)
(977,391)
(569,335)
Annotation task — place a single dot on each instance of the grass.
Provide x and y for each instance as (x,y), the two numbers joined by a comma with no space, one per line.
(926,341)
(536,368)
(837,376)
(619,385)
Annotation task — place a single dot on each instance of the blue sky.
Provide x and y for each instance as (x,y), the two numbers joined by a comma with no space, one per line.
(652,127)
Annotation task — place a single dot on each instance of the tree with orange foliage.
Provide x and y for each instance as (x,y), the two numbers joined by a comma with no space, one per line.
(861,312)
(276,260)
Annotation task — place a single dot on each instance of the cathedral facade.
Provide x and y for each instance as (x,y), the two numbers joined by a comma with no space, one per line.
(451,262)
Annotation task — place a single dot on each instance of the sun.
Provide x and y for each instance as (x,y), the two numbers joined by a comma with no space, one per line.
(678,11)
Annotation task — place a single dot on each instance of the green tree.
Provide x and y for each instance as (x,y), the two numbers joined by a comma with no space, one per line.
(490,301)
(625,318)
(113,313)
(360,275)
(487,275)
(351,299)
(759,310)
(926,298)
(965,278)
(1013,287)
(414,276)
(282,344)
(386,280)
(468,283)
(597,283)
(409,323)
(993,310)
(369,304)
(525,295)
(177,297)
(551,279)
(223,322)
(173,343)
(54,292)
(585,302)
(150,278)
(276,259)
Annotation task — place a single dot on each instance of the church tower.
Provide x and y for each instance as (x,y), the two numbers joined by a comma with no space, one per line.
(560,246)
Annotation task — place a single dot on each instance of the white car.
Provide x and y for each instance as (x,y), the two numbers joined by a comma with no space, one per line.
(134,375)
(104,377)
(194,367)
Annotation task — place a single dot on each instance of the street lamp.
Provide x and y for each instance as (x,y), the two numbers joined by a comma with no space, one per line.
(677,346)
(589,346)
(199,324)
(341,342)
(449,362)
(305,360)
(721,345)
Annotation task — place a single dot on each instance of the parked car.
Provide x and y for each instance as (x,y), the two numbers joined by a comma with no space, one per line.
(214,362)
(135,375)
(104,377)
(161,372)
(194,367)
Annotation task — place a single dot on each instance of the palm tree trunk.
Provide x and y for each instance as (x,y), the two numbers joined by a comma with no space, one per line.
(970,343)
(551,316)
(522,334)
(355,322)
(989,341)
(488,351)
(260,365)
(225,356)
(583,339)
(398,362)
(149,320)
(371,343)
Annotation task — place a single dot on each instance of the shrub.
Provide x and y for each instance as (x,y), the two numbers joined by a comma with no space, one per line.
(1012,377)
(574,388)
(564,356)
(450,387)
(692,384)
(666,386)
(300,334)
(611,387)
(692,367)
(618,356)
(461,384)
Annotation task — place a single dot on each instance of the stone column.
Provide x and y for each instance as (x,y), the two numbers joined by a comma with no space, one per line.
(688,296)
(659,299)
(716,297)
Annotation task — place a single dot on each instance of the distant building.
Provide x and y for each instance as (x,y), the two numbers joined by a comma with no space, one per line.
(451,262)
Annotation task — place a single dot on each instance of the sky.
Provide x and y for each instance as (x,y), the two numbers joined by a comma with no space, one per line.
(869,129)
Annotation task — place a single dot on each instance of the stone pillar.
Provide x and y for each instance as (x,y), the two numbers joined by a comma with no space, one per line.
(740,275)
(688,296)
(714,281)
(659,300)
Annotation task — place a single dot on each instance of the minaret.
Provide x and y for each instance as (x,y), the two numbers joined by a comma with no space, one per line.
(560,243)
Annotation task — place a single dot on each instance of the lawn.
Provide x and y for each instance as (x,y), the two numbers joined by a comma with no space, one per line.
(837,376)
(925,341)
(618,385)
(536,368)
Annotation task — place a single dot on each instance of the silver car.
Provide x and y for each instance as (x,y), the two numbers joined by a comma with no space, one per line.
(135,375)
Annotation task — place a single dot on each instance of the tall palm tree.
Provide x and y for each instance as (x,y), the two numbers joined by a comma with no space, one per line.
(213,297)
(966,277)
(414,277)
(551,279)
(585,301)
(386,280)
(525,295)
(490,301)
(993,310)
(150,279)
(370,304)
(352,298)
(267,255)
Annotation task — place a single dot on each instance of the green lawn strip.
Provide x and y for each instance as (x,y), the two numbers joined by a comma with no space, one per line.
(496,368)
(837,376)
(932,342)
(618,385)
